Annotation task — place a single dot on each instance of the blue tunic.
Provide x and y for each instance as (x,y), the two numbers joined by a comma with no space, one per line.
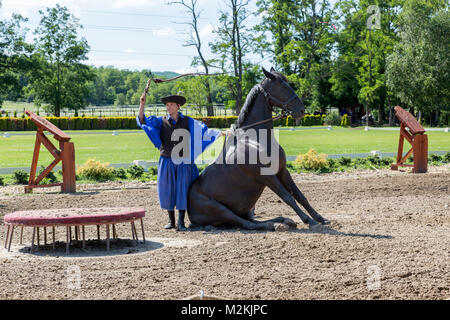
(174,179)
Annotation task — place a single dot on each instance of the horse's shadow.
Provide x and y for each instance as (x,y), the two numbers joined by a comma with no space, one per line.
(333,232)
(322,230)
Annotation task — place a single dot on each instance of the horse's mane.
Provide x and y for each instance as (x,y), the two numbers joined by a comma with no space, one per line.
(251,97)
(249,102)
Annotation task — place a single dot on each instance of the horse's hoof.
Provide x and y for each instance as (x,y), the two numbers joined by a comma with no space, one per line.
(325,222)
(280,227)
(316,227)
(291,223)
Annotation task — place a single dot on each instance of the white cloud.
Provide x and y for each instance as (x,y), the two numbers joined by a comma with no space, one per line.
(163,32)
(206,31)
(188,70)
(120,4)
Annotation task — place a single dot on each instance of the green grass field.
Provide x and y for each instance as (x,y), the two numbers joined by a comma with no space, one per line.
(17,151)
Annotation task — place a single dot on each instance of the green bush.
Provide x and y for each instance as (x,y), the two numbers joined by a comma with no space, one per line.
(64,123)
(2,183)
(447,157)
(135,171)
(50,176)
(436,158)
(3,124)
(120,173)
(333,119)
(344,161)
(21,177)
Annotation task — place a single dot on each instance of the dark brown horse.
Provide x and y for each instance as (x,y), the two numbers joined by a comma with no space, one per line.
(226,192)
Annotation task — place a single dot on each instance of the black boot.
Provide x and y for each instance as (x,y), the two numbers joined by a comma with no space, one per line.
(171,223)
(181,226)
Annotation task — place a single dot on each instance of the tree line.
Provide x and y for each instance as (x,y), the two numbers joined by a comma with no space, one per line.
(358,56)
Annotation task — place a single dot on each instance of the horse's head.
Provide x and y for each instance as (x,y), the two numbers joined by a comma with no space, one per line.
(280,94)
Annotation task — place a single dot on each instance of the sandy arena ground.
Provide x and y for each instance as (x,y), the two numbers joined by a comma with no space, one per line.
(389,239)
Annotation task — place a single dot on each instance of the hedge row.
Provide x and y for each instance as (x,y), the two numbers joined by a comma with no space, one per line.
(93,123)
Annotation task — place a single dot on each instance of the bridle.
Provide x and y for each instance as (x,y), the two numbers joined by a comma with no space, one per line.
(269,97)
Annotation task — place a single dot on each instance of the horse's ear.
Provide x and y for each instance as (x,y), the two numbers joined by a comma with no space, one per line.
(268,74)
(272,69)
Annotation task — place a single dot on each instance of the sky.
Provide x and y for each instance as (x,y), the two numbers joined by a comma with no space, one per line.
(134,34)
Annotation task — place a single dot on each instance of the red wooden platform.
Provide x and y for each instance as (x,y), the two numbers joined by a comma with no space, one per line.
(72,217)
(418,140)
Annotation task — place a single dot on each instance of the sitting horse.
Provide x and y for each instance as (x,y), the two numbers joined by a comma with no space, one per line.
(227,190)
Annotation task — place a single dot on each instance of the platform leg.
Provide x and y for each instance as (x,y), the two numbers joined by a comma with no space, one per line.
(21,235)
(142,228)
(76,233)
(98,232)
(67,239)
(38,240)
(114,232)
(32,239)
(420,149)
(68,167)
(53,236)
(135,232)
(8,228)
(10,238)
(45,236)
(84,237)
(107,237)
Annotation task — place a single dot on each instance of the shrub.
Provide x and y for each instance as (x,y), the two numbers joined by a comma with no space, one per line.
(135,171)
(21,177)
(331,163)
(436,158)
(375,159)
(95,170)
(120,173)
(344,161)
(50,176)
(333,119)
(2,183)
(344,120)
(312,160)
(447,157)
(153,170)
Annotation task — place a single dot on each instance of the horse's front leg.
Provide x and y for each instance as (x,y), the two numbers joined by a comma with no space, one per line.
(292,188)
(276,186)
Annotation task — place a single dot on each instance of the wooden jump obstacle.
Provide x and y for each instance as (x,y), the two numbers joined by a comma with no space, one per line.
(65,154)
(417,139)
(72,217)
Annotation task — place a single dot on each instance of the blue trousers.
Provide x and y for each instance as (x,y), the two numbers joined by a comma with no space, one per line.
(173,183)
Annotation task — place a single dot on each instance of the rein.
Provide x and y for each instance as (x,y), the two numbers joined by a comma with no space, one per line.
(269,97)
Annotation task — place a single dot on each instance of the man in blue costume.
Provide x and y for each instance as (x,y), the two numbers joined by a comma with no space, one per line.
(176,172)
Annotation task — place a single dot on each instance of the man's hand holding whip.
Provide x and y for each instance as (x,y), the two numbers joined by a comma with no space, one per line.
(144,96)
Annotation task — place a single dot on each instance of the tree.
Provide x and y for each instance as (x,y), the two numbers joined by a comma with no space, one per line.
(195,41)
(195,92)
(418,68)
(61,80)
(14,56)
(302,35)
(366,39)
(232,44)
(277,19)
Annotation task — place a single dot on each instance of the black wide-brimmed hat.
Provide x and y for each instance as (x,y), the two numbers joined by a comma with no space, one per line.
(174,98)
